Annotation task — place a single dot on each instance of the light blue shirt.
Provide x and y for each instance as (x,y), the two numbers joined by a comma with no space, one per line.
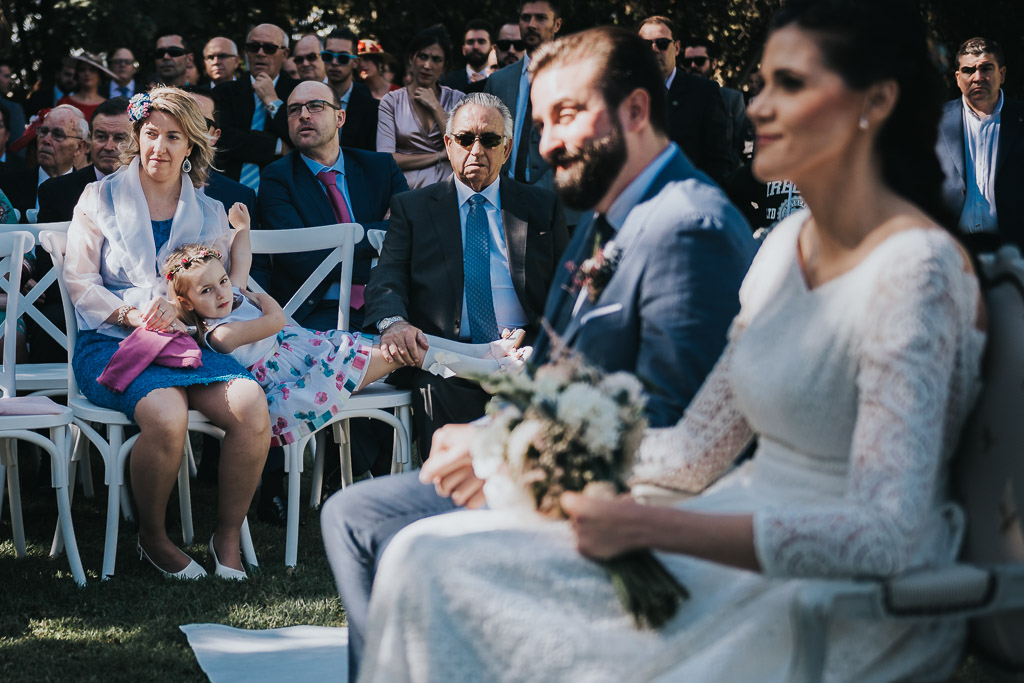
(981,142)
(631,196)
(521,101)
(507,310)
(334,291)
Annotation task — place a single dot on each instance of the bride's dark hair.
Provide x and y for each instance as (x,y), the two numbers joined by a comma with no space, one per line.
(870,41)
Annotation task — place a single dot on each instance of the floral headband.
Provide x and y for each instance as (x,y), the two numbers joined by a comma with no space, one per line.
(139,106)
(187,261)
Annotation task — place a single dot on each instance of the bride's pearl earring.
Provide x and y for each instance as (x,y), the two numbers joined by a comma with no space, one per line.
(186,165)
(863,123)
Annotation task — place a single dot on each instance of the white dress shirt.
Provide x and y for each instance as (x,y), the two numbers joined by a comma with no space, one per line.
(981,142)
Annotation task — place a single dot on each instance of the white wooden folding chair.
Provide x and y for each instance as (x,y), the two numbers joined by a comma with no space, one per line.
(19,416)
(987,585)
(375,401)
(113,447)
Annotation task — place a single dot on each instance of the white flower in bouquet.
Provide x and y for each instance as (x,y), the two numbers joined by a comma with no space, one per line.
(584,406)
(505,493)
(623,387)
(489,444)
(519,442)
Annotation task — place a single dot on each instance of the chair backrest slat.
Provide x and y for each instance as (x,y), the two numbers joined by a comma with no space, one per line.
(56,244)
(13,247)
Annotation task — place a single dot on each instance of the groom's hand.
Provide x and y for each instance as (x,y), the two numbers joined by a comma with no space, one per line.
(450,466)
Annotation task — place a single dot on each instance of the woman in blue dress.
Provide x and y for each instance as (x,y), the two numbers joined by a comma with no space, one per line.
(123,228)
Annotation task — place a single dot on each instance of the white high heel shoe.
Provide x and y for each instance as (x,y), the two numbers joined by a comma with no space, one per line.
(191,571)
(225,572)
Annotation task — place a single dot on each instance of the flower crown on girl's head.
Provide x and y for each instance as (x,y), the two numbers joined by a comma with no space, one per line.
(187,261)
(138,106)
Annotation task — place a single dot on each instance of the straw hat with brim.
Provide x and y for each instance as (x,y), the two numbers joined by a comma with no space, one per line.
(95,62)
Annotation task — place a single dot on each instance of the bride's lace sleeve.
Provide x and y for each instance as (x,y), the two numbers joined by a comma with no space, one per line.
(703,444)
(906,378)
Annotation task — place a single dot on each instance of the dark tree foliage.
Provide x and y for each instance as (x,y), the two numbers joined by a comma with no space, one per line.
(34,34)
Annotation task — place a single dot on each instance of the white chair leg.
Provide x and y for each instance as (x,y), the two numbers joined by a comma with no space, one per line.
(3,486)
(346,454)
(80,454)
(405,416)
(10,455)
(319,453)
(293,459)
(115,477)
(59,461)
(185,500)
(192,471)
(248,551)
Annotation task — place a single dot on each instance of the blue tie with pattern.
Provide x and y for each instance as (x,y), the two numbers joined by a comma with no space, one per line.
(477,263)
(250,176)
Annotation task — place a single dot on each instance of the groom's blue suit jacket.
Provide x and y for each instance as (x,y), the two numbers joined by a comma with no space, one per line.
(666,310)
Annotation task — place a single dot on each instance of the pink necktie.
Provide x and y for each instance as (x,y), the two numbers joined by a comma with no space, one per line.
(329,179)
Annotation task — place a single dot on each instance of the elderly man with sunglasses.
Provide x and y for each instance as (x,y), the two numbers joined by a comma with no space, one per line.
(340,61)
(172,59)
(253,122)
(464,259)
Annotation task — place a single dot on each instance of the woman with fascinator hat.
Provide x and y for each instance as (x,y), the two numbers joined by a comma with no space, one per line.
(124,227)
(93,80)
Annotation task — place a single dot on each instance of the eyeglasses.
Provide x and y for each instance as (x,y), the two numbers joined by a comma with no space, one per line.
(57,134)
(313,107)
(424,57)
(488,140)
(696,61)
(504,45)
(210,123)
(172,52)
(661,43)
(302,59)
(122,62)
(268,48)
(342,58)
(102,137)
(219,55)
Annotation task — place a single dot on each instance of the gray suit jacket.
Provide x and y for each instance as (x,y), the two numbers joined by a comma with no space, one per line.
(666,310)
(1009,166)
(504,83)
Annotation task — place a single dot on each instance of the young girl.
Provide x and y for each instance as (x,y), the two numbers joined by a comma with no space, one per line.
(307,374)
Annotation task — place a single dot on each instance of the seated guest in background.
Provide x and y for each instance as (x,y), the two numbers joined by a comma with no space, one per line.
(340,60)
(981,148)
(509,47)
(14,181)
(17,113)
(412,119)
(220,55)
(374,69)
(426,274)
(253,123)
(697,121)
(289,69)
(306,56)
(700,58)
(320,183)
(172,58)
(48,91)
(61,137)
(476,48)
(92,79)
(124,66)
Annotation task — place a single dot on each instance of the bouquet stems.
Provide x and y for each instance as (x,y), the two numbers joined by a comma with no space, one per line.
(645,588)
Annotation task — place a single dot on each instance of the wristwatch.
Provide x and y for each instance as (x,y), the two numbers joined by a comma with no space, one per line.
(385,323)
(273,107)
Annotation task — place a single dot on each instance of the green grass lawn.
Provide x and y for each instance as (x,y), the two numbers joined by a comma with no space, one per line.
(126,628)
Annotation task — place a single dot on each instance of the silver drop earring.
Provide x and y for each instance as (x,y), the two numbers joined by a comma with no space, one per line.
(863,123)
(186,166)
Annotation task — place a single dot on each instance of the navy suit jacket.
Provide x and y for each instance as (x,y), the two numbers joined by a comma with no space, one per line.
(240,144)
(360,129)
(665,312)
(699,124)
(1009,166)
(228,191)
(58,196)
(290,196)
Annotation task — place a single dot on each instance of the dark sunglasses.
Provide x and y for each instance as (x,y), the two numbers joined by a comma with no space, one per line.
(219,55)
(488,140)
(210,124)
(504,45)
(172,52)
(302,59)
(661,43)
(696,61)
(313,107)
(57,134)
(268,48)
(342,58)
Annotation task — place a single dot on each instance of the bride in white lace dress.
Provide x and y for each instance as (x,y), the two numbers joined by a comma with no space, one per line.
(854,359)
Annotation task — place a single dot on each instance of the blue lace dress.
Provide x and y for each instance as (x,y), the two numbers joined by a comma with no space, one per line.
(94,349)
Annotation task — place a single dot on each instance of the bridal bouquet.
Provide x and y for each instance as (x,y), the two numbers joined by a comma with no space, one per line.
(571,427)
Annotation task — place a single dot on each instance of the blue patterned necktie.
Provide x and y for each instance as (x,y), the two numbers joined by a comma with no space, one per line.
(123,89)
(477,263)
(250,176)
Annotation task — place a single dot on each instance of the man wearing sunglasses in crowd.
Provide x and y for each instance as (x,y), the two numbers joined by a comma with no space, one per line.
(253,121)
(700,58)
(463,259)
(306,56)
(476,48)
(220,57)
(172,59)
(509,48)
(360,107)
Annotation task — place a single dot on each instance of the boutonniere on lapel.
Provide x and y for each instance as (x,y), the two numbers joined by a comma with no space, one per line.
(596,271)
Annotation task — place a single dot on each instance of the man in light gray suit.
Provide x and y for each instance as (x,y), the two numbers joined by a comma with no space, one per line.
(681,251)
(539,22)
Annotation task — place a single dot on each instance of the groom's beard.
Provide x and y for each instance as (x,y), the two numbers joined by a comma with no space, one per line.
(583,176)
